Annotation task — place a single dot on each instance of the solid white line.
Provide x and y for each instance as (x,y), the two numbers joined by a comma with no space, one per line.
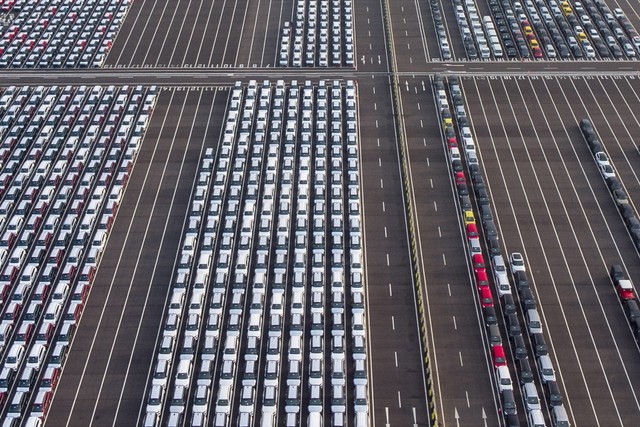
(132,281)
(75,398)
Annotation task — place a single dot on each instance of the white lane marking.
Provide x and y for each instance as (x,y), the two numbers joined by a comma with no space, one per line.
(395,353)
(468,403)
(390,290)
(460,354)
(419,106)
(428,162)
(424,141)
(431,182)
(435,206)
(376,122)
(421,123)
(455,325)
(378,141)
(393,323)
(399,400)
(439,232)
(444,259)
(449,288)
(381,183)
(387,260)
(385,232)
(375,106)
(384,209)
(379,162)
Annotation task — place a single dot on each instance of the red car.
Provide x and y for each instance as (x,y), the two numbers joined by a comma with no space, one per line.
(478,263)
(625,289)
(497,353)
(486,300)
(537,52)
(472,231)
(460,179)
(481,280)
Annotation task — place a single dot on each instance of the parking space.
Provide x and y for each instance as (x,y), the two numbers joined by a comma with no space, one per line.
(200,34)
(265,318)
(319,36)
(57,34)
(66,158)
(106,374)
(552,204)
(488,30)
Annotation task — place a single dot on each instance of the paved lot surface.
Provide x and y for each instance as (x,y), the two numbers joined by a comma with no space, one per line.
(554,207)
(105,377)
(547,194)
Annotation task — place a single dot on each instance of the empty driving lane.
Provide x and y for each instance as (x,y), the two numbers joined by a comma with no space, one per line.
(460,363)
(103,382)
(398,386)
(552,205)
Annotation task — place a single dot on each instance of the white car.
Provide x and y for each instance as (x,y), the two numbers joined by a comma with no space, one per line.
(606,171)
(503,378)
(602,159)
(517,262)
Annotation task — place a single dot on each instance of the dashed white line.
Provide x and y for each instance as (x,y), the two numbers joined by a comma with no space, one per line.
(375,106)
(419,106)
(388,260)
(421,124)
(439,232)
(460,354)
(381,183)
(428,163)
(431,182)
(444,259)
(399,400)
(393,323)
(468,403)
(379,162)
(435,206)
(378,141)
(376,122)
(384,209)
(390,291)
(424,141)
(449,288)
(385,232)
(455,325)
(395,353)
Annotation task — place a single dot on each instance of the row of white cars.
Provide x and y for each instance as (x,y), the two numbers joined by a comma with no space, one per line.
(321,36)
(66,156)
(265,320)
(57,33)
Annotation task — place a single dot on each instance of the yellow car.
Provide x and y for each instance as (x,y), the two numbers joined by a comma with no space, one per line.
(566,8)
(527,30)
(469,218)
(447,122)
(534,43)
(582,36)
